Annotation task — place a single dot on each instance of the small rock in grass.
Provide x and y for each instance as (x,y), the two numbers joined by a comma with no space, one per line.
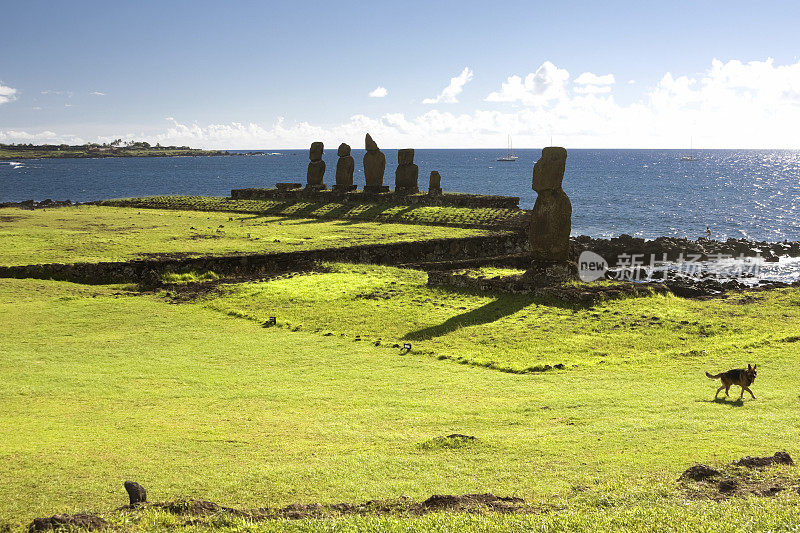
(136,492)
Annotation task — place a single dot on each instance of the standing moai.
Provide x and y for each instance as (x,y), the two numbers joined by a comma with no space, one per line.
(435,184)
(344,170)
(316,168)
(374,166)
(551,222)
(407,173)
(551,219)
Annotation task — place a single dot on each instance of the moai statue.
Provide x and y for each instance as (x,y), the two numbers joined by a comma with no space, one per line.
(435,185)
(344,170)
(407,173)
(551,222)
(374,166)
(316,168)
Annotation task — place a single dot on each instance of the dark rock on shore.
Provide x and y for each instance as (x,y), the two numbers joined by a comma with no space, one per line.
(671,248)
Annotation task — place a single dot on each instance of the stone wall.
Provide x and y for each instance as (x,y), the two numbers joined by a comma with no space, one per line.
(445,199)
(249,265)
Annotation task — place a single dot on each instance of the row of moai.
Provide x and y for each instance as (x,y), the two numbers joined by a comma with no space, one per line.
(406,175)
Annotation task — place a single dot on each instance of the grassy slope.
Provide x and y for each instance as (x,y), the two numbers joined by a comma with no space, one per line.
(100,387)
(92,233)
(485,217)
(519,332)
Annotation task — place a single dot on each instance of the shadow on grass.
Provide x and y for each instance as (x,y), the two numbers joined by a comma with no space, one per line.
(503,306)
(725,402)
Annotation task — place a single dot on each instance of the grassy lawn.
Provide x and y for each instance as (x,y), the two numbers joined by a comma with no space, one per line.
(518,333)
(101,385)
(93,233)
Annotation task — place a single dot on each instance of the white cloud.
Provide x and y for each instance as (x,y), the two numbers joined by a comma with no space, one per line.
(379,92)
(97,93)
(587,78)
(545,85)
(592,89)
(43,137)
(7,94)
(68,94)
(731,105)
(449,93)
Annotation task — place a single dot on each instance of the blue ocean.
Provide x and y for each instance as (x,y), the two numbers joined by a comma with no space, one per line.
(753,194)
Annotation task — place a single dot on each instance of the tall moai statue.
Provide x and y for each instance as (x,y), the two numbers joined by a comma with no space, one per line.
(374,166)
(344,170)
(551,220)
(407,173)
(435,183)
(316,168)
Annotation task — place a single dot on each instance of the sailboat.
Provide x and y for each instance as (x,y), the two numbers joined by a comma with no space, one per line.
(510,155)
(691,156)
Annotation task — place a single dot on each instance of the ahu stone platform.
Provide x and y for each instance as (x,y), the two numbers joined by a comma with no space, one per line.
(283,192)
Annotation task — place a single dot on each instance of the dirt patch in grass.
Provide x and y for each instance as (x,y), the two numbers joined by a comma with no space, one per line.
(477,503)
(749,476)
(449,442)
(88,522)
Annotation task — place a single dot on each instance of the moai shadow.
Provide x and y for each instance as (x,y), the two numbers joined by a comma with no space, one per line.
(407,173)
(374,167)
(316,168)
(344,170)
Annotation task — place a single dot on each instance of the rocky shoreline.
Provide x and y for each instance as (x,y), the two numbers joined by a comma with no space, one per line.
(674,248)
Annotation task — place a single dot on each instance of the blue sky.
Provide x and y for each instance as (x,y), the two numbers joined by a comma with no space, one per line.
(274,75)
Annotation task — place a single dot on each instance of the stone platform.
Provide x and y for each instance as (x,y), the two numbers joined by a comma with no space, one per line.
(421,198)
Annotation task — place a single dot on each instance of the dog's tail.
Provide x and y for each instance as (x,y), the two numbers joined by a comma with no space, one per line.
(713,377)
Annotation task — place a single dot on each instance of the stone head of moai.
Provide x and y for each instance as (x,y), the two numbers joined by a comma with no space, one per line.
(435,180)
(405,156)
(344,169)
(407,173)
(316,167)
(374,166)
(315,153)
(548,172)
(435,183)
(369,144)
(551,219)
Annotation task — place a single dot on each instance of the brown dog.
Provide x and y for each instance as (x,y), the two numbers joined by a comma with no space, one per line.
(740,376)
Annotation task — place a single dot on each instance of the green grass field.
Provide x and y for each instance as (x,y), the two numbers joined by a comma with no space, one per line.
(102,383)
(93,233)
(517,333)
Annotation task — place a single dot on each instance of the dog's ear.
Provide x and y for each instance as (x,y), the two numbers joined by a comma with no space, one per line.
(749,366)
(754,366)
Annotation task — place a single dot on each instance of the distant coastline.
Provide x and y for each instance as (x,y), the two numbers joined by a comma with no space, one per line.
(92,150)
